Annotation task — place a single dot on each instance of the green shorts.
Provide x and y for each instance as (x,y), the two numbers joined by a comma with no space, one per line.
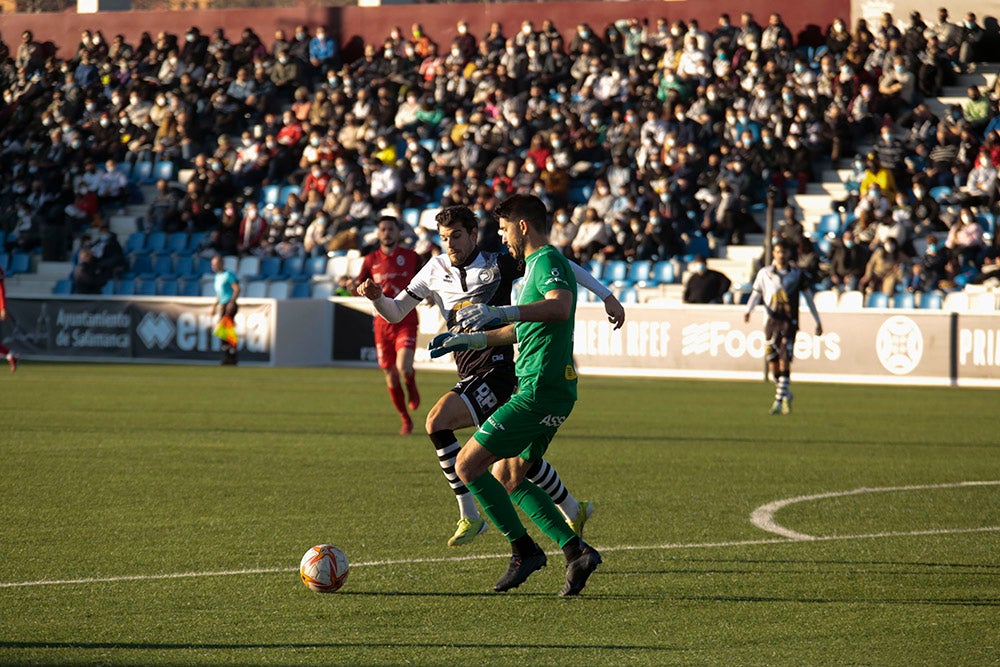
(522,428)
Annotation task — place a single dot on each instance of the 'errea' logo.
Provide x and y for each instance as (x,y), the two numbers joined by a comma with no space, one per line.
(156,330)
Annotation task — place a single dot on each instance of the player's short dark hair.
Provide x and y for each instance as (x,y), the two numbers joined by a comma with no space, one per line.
(390,218)
(457,216)
(529,208)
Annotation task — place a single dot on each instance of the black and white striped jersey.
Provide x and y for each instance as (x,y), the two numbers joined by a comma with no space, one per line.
(485,278)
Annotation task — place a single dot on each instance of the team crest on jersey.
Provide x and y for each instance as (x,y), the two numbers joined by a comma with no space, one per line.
(570,372)
(400,260)
(487,275)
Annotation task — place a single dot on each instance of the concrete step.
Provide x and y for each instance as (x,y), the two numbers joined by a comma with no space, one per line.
(939,105)
(56,270)
(833,189)
(123,225)
(31,284)
(748,254)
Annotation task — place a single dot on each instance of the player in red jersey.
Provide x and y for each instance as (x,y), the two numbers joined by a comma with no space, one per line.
(392,267)
(4,350)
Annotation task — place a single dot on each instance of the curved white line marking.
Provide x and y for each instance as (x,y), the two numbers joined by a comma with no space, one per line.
(456,559)
(763,516)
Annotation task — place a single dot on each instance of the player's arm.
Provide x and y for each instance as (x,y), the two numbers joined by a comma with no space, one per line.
(755,298)
(612,306)
(811,304)
(393,310)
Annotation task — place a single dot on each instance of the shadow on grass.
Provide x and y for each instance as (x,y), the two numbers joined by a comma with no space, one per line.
(181,646)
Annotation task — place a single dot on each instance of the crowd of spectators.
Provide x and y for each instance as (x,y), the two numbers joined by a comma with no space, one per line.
(638,135)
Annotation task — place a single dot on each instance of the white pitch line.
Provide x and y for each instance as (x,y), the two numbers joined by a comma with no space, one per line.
(763,516)
(457,559)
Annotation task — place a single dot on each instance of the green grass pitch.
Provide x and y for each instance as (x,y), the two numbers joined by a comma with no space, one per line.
(115,477)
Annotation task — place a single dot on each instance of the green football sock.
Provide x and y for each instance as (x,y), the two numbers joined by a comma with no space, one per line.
(496,504)
(539,506)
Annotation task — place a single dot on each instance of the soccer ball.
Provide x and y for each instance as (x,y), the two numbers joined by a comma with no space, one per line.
(324,568)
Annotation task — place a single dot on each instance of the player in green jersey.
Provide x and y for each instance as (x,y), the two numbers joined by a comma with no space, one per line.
(519,432)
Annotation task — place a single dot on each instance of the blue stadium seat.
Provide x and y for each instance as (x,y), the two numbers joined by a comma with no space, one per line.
(136,243)
(146,287)
(168,288)
(580,193)
(3,236)
(20,262)
(288,190)
(988,222)
(64,286)
(940,193)
(256,289)
(269,267)
(142,172)
(638,271)
(315,266)
(190,288)
(302,291)
(615,272)
(163,266)
(877,300)
(829,223)
(628,295)
(125,287)
(184,266)
(931,301)
(320,290)
(163,169)
(280,289)
(903,300)
(141,265)
(663,273)
(109,288)
(271,194)
(203,266)
(697,245)
(195,239)
(156,241)
(4,260)
(177,242)
(411,216)
(293,267)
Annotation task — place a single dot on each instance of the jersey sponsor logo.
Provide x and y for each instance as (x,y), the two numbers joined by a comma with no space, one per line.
(570,372)
(555,421)
(899,345)
(494,425)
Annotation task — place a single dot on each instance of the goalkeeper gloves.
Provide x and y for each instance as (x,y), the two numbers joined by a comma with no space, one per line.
(456,342)
(481,316)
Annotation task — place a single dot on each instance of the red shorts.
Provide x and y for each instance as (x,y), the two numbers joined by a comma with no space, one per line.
(391,338)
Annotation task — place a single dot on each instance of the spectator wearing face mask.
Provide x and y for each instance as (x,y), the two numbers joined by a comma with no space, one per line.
(884,270)
(848,260)
(704,285)
(929,270)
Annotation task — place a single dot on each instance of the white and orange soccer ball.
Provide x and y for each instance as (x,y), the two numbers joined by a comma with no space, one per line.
(324,568)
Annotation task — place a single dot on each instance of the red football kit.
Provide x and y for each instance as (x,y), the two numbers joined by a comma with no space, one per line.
(392,272)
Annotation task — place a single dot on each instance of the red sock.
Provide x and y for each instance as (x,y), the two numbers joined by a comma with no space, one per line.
(411,390)
(398,399)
